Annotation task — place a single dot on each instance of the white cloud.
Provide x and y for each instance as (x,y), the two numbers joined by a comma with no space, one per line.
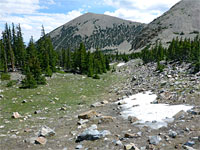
(31,24)
(135,15)
(51,2)
(26,12)
(139,10)
(19,6)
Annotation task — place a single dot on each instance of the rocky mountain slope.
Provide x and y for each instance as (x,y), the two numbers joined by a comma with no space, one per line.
(182,20)
(96,31)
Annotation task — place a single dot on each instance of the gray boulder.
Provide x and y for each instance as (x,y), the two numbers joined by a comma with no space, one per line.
(155,140)
(92,134)
(46,132)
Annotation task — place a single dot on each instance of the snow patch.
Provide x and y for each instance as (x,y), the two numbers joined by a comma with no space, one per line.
(152,115)
(121,64)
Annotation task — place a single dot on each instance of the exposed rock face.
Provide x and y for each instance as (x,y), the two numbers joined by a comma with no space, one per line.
(96,30)
(182,20)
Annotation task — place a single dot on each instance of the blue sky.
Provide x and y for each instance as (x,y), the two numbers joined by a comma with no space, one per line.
(32,14)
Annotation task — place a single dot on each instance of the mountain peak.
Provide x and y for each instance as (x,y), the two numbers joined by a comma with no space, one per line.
(96,31)
(182,21)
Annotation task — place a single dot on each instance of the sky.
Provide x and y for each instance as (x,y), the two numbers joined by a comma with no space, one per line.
(32,14)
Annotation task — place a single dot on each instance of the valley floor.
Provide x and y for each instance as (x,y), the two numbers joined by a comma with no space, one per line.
(58,104)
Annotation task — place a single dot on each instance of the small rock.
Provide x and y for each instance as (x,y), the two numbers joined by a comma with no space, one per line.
(46,132)
(155,140)
(104,102)
(1,96)
(24,101)
(1,127)
(194,111)
(37,111)
(190,143)
(41,140)
(130,146)
(132,119)
(27,130)
(87,115)
(82,121)
(79,146)
(92,134)
(188,147)
(63,108)
(129,135)
(16,115)
(118,143)
(56,98)
(172,134)
(97,104)
(106,119)
(121,103)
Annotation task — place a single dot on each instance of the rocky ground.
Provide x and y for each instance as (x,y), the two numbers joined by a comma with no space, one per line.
(101,127)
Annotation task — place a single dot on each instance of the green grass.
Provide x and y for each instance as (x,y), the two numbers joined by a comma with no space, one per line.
(72,90)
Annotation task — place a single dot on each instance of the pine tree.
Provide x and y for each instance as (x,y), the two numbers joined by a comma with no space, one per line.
(3,57)
(8,47)
(20,48)
(29,81)
(68,59)
(107,63)
(34,64)
(90,65)
(82,59)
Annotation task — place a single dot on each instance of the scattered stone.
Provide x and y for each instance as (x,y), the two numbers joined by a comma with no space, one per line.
(130,146)
(1,96)
(27,130)
(97,104)
(56,98)
(16,115)
(190,143)
(37,111)
(92,134)
(194,111)
(46,132)
(87,115)
(106,119)
(188,147)
(155,140)
(118,143)
(24,101)
(104,102)
(63,108)
(41,140)
(180,115)
(79,146)
(82,121)
(121,103)
(1,127)
(172,134)
(132,119)
(31,140)
(129,135)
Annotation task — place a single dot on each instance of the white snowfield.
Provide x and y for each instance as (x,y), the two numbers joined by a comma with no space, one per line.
(121,64)
(152,115)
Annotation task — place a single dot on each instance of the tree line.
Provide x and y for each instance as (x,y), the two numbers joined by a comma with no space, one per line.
(39,59)
(179,50)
